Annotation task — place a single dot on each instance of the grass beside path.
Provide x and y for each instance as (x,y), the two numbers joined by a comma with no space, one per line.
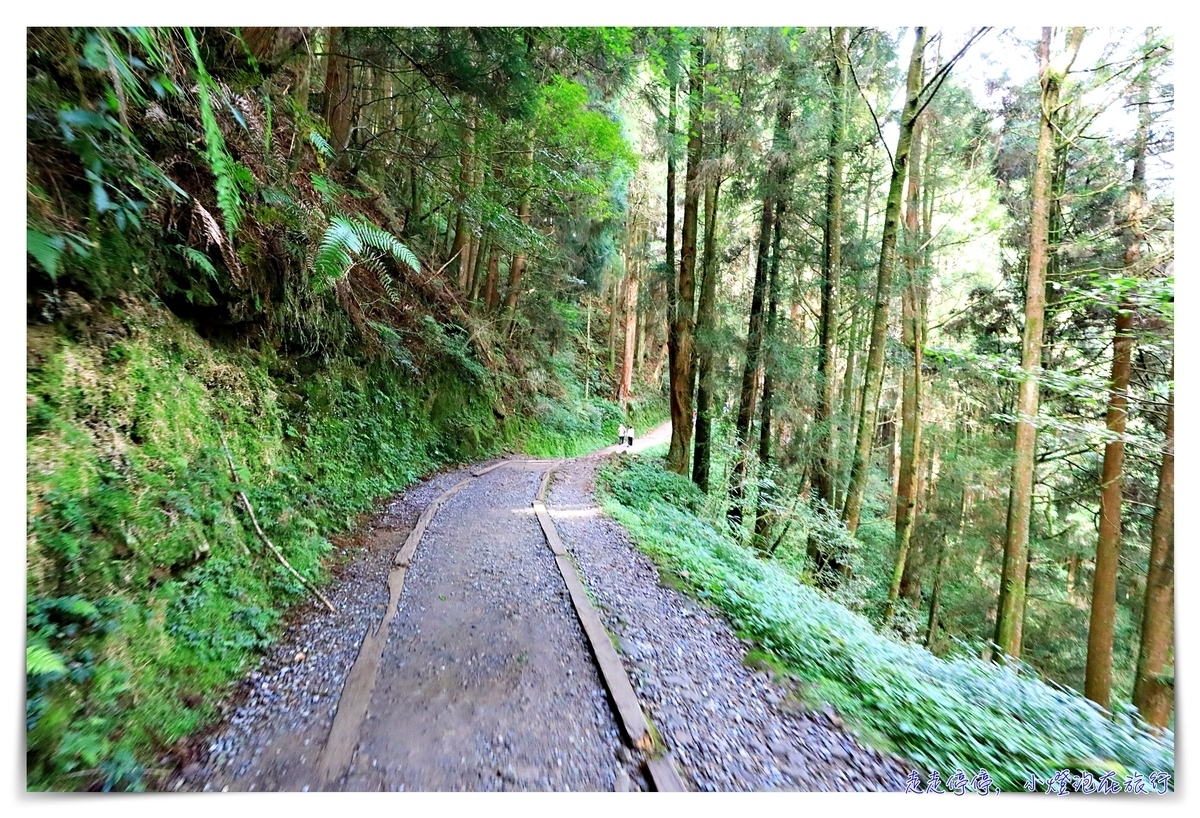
(942,714)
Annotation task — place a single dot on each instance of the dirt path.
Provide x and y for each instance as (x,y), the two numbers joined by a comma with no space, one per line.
(478,676)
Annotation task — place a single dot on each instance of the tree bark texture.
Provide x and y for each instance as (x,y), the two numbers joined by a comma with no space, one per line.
(1016,538)
(339,93)
(1153,695)
(754,334)
(1097,683)
(825,473)
(762,520)
(873,372)
(683,326)
(913,325)
(705,326)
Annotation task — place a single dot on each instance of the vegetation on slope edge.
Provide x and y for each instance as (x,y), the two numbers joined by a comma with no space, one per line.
(942,714)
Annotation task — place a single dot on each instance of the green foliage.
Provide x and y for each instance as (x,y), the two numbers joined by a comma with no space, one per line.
(942,714)
(232,178)
(349,241)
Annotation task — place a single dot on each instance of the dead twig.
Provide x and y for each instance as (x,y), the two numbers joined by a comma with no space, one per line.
(262,535)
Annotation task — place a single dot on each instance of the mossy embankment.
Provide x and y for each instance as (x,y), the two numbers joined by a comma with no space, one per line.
(148,589)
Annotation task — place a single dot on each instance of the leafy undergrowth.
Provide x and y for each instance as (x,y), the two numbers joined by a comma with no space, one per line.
(148,590)
(942,714)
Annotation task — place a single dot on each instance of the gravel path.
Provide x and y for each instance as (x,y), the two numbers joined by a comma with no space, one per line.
(729,727)
(279,718)
(486,680)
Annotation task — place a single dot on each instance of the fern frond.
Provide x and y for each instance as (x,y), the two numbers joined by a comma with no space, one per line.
(41,661)
(389,286)
(320,144)
(334,257)
(197,259)
(225,170)
(345,241)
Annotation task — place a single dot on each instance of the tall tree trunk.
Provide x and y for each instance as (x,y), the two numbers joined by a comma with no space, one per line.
(339,94)
(750,370)
(683,327)
(1151,694)
(850,405)
(754,334)
(516,268)
(825,473)
(873,373)
(853,403)
(910,411)
(1097,683)
(480,273)
(466,175)
(625,383)
(491,294)
(935,601)
(705,327)
(1016,536)
(614,309)
(762,521)
(671,282)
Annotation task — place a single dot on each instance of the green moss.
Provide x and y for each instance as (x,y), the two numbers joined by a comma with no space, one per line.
(132,510)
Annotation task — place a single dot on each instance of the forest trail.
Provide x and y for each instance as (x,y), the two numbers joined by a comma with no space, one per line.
(480,677)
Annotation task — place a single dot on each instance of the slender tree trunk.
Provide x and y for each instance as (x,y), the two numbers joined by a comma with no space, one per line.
(825,473)
(614,309)
(750,370)
(466,175)
(479,275)
(911,400)
(1097,684)
(339,94)
(683,327)
(754,334)
(850,405)
(910,580)
(671,281)
(516,268)
(762,521)
(625,384)
(1016,537)
(935,602)
(1151,694)
(873,373)
(491,293)
(705,327)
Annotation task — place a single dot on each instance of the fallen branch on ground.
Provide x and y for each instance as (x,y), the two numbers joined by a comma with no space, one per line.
(262,535)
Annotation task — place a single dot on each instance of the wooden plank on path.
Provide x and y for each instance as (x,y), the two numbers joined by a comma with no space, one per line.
(357,691)
(486,469)
(633,720)
(664,775)
(405,555)
(541,495)
(552,538)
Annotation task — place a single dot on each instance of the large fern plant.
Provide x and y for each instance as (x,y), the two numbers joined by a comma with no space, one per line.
(352,241)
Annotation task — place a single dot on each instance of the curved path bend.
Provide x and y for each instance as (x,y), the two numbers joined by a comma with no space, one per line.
(462,665)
